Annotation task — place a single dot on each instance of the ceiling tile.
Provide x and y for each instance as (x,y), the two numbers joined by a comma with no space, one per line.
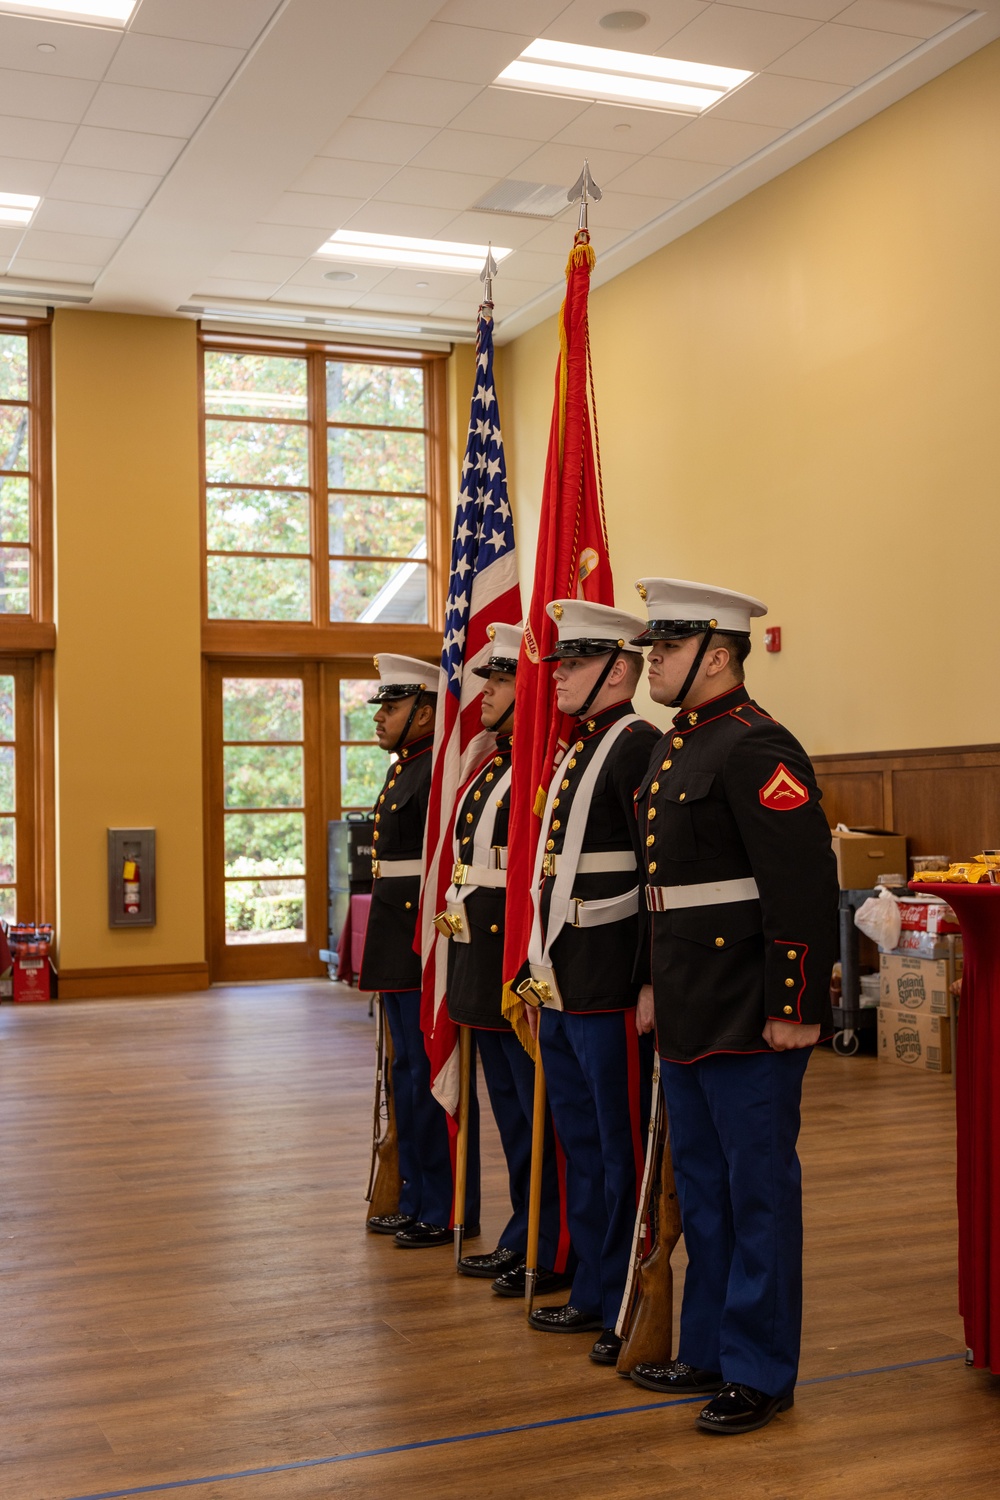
(63,217)
(401,218)
(627,211)
(714,140)
(355,179)
(313,274)
(663,177)
(561,164)
(478,228)
(512,15)
(417,185)
(10,238)
(159,62)
(770,100)
(523,116)
(509,292)
(616,128)
(154,111)
(29,269)
(578,22)
(379,301)
(456,311)
(34,140)
(225,286)
(730,37)
(101,185)
(281,239)
(556,240)
(232,23)
(844,54)
(378,140)
(34,96)
(83,248)
(317,209)
(531,265)
(20,176)
(435,286)
(471,54)
(424,101)
(473,151)
(258,267)
(80,52)
(124,150)
(910,17)
(815,10)
(320,296)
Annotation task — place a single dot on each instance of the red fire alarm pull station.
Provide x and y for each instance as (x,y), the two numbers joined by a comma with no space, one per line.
(772,638)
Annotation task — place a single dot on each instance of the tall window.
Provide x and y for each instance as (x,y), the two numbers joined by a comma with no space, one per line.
(15,476)
(319,493)
(362,763)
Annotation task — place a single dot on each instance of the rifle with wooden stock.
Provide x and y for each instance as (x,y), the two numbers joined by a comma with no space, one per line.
(383,1178)
(645,1322)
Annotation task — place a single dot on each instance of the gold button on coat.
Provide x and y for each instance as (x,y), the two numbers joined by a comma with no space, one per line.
(408,904)
(655,787)
(789,983)
(666,765)
(494,927)
(677,742)
(652,866)
(650,839)
(682,796)
(792,953)
(788,1010)
(555,824)
(468,817)
(579,745)
(498,760)
(651,813)
(393,807)
(563,785)
(572,763)
(550,843)
(555,802)
(489,775)
(720,942)
(476,796)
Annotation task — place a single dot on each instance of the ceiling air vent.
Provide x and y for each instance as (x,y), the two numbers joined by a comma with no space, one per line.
(528,200)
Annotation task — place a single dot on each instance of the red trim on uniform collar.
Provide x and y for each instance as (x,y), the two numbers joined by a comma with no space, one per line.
(417,747)
(503,744)
(690,719)
(593,724)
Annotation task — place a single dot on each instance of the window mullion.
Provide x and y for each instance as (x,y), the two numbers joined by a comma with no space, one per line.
(321,508)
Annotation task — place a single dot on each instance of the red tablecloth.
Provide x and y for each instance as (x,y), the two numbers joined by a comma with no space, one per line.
(977,1085)
(352,939)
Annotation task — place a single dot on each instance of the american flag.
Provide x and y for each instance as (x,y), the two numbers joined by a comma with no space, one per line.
(483,589)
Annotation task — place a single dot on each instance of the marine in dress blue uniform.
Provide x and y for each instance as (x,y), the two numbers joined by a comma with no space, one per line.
(474,921)
(404,725)
(596,1049)
(742,907)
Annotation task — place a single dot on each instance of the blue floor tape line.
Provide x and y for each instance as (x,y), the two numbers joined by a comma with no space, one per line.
(472,1437)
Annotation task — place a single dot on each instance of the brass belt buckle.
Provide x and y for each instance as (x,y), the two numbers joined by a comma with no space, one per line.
(448,923)
(376,869)
(460,874)
(548,863)
(577,903)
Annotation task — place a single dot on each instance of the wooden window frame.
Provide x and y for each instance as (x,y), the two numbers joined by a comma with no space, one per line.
(27,642)
(321,638)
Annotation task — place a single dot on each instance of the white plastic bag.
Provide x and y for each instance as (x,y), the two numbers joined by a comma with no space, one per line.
(879,919)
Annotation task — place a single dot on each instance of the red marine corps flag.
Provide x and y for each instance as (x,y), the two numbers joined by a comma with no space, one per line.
(483,588)
(571,562)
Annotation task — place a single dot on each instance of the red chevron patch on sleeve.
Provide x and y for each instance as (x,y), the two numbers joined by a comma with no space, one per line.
(783,791)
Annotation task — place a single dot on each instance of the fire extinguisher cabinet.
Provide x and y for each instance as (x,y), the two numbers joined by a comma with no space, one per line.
(131,877)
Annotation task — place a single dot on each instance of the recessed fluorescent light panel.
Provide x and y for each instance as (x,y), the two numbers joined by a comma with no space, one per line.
(608,77)
(96,12)
(17,208)
(404,252)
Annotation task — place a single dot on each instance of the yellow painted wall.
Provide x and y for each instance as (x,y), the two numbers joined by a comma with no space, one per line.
(801,399)
(128,683)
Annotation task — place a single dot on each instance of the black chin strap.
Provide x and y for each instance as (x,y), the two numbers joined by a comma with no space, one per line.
(689,679)
(406,727)
(508,713)
(601,679)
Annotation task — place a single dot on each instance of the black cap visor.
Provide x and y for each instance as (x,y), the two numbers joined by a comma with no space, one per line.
(582,648)
(390,692)
(496,664)
(677,630)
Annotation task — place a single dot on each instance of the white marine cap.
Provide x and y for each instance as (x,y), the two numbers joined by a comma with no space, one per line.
(505,650)
(404,677)
(586,629)
(678,608)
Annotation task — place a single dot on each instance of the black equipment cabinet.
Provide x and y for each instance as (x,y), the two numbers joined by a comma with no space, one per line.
(349,873)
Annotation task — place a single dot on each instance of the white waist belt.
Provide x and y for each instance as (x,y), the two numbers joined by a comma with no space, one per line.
(600,913)
(479,875)
(389,869)
(712,893)
(593,864)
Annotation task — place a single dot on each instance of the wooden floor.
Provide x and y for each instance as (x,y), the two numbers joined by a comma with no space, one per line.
(190,1301)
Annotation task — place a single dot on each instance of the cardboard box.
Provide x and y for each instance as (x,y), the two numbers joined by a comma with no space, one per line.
(927,915)
(31,980)
(863,857)
(909,982)
(919,1042)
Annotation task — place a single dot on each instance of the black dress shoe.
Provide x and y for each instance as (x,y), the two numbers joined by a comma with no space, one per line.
(677,1378)
(607,1348)
(389,1223)
(419,1236)
(488,1266)
(567,1319)
(739,1408)
(511,1283)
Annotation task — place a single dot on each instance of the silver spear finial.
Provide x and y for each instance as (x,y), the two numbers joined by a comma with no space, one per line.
(586,189)
(487,274)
